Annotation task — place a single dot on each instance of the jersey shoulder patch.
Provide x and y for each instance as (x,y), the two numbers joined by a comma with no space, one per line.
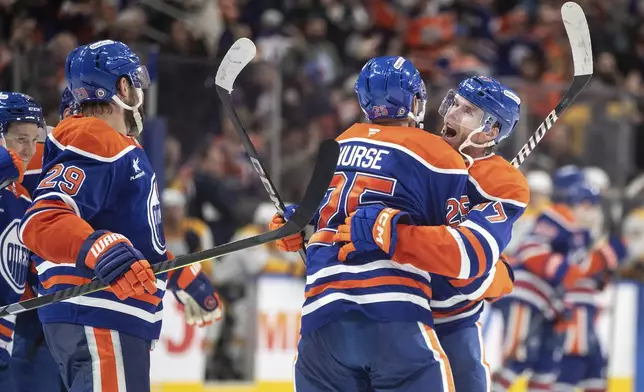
(429,149)
(496,179)
(92,138)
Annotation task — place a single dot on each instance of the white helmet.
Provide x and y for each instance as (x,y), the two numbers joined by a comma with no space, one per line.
(539,181)
(597,177)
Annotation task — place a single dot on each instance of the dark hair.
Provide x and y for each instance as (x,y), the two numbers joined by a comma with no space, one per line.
(93,109)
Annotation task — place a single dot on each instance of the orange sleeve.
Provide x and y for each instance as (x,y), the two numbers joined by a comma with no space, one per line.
(573,274)
(537,264)
(53,231)
(440,256)
(502,283)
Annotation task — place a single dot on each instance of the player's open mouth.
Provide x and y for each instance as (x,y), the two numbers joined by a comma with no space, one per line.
(448,132)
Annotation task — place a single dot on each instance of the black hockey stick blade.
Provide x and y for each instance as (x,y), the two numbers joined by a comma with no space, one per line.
(327,159)
(238,56)
(576,26)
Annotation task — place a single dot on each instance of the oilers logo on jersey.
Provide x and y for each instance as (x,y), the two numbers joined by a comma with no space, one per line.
(154,216)
(14,257)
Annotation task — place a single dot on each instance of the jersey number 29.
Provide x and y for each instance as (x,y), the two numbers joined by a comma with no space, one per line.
(347,192)
(67,179)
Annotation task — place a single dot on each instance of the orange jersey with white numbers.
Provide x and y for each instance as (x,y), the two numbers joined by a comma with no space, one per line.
(403,168)
(497,196)
(94,178)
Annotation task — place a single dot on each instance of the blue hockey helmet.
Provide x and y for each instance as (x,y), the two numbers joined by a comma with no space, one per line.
(93,70)
(386,88)
(67,101)
(584,193)
(564,181)
(500,105)
(18,107)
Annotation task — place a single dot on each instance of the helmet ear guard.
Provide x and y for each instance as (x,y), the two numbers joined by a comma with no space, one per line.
(500,104)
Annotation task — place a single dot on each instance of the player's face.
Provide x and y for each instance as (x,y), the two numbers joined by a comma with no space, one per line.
(589,215)
(22,138)
(461,119)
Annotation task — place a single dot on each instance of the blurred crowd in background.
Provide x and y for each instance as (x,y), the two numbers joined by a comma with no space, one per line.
(299,90)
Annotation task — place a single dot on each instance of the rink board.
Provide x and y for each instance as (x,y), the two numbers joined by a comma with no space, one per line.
(177,365)
(616,385)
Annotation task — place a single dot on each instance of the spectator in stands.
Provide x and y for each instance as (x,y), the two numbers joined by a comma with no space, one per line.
(183,234)
(213,201)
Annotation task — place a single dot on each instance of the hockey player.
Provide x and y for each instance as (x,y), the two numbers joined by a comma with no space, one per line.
(367,323)
(583,363)
(34,367)
(477,116)
(20,121)
(481,105)
(99,189)
(540,185)
(548,262)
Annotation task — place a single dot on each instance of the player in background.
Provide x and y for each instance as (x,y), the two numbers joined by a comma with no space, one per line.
(583,363)
(67,107)
(34,367)
(367,323)
(540,185)
(99,189)
(20,121)
(548,263)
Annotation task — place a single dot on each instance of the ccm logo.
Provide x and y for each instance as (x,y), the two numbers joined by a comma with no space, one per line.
(382,224)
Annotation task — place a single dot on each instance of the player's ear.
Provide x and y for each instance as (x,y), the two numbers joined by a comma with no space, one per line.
(493,133)
(123,87)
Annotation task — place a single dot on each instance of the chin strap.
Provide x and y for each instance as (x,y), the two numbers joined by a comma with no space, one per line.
(468,142)
(135,109)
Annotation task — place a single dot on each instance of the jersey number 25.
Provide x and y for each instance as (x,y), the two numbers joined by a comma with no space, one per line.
(347,191)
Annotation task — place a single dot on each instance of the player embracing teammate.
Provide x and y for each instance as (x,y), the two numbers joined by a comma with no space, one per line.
(406,239)
(406,230)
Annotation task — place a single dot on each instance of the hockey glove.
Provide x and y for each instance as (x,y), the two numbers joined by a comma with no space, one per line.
(291,243)
(368,229)
(201,303)
(11,167)
(117,263)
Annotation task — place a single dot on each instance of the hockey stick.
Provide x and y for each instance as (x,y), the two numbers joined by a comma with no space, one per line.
(582,57)
(238,56)
(328,154)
